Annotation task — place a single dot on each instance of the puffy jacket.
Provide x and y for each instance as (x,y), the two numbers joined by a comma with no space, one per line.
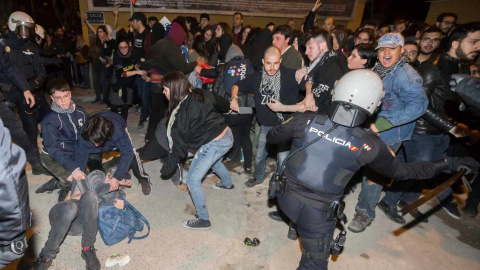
(196,124)
(14,204)
(443,102)
(403,103)
(120,141)
(60,132)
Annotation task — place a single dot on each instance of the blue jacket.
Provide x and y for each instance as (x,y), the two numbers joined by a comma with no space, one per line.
(404,101)
(60,133)
(120,142)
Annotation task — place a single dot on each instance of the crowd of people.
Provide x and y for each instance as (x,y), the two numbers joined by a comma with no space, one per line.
(215,93)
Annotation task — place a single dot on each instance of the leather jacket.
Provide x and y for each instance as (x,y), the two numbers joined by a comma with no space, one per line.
(443,103)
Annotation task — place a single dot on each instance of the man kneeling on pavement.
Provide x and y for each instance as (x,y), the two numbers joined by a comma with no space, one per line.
(77,215)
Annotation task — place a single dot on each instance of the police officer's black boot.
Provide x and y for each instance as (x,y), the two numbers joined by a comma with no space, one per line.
(49,186)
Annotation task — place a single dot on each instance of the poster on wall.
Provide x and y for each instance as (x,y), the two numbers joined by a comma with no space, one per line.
(339,9)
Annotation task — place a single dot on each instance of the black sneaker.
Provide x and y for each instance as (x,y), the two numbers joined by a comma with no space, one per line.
(451,209)
(91,259)
(220,185)
(197,224)
(146,187)
(42,264)
(251,182)
(275,215)
(391,212)
(49,186)
(248,170)
(471,210)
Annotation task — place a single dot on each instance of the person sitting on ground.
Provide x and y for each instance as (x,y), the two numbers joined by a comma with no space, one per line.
(77,215)
(194,123)
(60,129)
(105,132)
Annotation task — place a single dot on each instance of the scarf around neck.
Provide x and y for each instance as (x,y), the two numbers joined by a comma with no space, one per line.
(270,85)
(383,71)
(58,109)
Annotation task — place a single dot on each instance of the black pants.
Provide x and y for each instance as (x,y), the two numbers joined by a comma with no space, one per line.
(157,111)
(151,151)
(15,126)
(311,224)
(136,166)
(73,217)
(67,70)
(123,110)
(241,125)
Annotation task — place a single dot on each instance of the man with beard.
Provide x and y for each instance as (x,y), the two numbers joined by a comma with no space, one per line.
(403,103)
(429,42)
(274,84)
(325,68)
(446,22)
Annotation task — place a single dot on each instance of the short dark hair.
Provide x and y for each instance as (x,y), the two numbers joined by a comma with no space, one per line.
(431,29)
(368,31)
(446,14)
(238,13)
(57,84)
(461,32)
(284,30)
(370,22)
(152,18)
(205,15)
(269,24)
(317,33)
(367,51)
(98,129)
(412,43)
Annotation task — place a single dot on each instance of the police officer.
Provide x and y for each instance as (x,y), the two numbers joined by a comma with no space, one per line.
(14,204)
(25,56)
(326,151)
(10,75)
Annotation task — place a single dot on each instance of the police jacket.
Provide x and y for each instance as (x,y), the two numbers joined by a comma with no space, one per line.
(442,101)
(322,170)
(9,72)
(120,142)
(60,132)
(26,56)
(14,204)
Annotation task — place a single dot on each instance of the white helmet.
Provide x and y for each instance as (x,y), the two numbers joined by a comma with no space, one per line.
(22,24)
(356,95)
(39,31)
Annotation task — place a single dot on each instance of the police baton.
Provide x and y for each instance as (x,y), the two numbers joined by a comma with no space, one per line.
(435,192)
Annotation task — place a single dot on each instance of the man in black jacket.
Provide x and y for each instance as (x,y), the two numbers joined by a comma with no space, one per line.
(272,88)
(430,139)
(14,202)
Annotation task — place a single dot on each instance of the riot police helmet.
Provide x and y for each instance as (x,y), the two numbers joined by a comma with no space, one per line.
(356,96)
(39,33)
(22,24)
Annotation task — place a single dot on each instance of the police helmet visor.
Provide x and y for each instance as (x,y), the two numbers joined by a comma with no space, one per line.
(25,30)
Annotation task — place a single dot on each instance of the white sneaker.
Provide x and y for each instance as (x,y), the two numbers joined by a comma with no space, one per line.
(117,259)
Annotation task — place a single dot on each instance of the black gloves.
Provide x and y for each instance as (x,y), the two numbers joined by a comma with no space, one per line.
(457,163)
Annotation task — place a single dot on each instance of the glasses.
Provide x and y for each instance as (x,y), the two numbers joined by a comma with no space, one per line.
(428,40)
(449,23)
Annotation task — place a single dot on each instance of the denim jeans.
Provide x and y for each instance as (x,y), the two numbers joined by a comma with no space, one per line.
(74,217)
(370,194)
(422,147)
(208,156)
(144,93)
(85,72)
(262,154)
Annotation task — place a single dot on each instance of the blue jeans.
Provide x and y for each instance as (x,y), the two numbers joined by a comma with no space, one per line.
(144,93)
(208,156)
(422,147)
(262,154)
(85,72)
(370,194)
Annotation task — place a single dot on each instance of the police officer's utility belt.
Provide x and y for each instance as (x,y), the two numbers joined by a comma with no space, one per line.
(17,246)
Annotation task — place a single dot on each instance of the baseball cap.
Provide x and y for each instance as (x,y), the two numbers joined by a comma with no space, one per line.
(139,16)
(391,40)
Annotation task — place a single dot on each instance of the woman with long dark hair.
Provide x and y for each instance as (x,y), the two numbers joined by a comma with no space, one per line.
(193,123)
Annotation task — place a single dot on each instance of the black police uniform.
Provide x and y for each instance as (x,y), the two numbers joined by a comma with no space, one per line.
(317,175)
(10,72)
(26,57)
